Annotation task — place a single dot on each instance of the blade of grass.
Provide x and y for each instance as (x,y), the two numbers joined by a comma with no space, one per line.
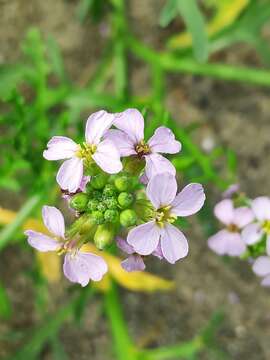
(10,230)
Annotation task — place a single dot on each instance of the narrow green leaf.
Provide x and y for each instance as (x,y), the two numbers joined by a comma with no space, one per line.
(55,58)
(194,21)
(168,13)
(5,306)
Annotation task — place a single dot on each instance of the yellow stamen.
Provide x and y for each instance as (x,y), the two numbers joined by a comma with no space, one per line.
(266,226)
(142,148)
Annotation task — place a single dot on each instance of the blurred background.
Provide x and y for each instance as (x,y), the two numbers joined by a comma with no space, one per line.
(61,60)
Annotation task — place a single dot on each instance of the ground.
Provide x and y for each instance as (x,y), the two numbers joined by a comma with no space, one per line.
(233,115)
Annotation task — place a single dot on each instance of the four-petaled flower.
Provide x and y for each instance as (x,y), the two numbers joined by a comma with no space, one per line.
(159,232)
(103,152)
(129,139)
(229,240)
(261,267)
(79,267)
(254,232)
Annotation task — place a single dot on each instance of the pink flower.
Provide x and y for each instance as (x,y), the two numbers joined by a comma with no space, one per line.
(261,267)
(78,266)
(229,240)
(129,138)
(159,233)
(133,262)
(103,152)
(254,232)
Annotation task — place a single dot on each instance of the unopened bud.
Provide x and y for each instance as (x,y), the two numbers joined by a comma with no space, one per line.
(122,182)
(128,218)
(111,216)
(92,204)
(101,207)
(109,190)
(98,217)
(79,202)
(99,181)
(111,203)
(104,236)
(125,199)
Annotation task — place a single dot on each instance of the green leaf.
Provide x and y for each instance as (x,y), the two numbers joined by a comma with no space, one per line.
(168,13)
(194,21)
(55,58)
(5,306)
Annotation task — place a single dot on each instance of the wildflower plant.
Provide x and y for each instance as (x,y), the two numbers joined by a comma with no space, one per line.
(113,200)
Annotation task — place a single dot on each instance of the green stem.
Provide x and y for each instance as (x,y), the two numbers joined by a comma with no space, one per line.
(171,63)
(123,345)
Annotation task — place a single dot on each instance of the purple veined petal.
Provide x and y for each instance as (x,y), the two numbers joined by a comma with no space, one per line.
(54,220)
(235,244)
(70,174)
(174,244)
(124,246)
(224,211)
(107,157)
(96,126)
(261,266)
(189,201)
(158,252)
(131,122)
(266,281)
(231,190)
(144,238)
(261,208)
(243,216)
(163,141)
(41,242)
(85,180)
(133,263)
(157,164)
(60,147)
(83,267)
(122,141)
(252,233)
(218,242)
(161,190)
(144,179)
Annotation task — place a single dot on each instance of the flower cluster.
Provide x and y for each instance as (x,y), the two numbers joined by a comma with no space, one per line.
(247,231)
(122,191)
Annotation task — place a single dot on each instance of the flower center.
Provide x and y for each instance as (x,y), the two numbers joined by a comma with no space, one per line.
(164,215)
(232,228)
(142,148)
(86,151)
(266,226)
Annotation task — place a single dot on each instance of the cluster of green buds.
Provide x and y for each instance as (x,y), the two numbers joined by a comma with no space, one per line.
(109,203)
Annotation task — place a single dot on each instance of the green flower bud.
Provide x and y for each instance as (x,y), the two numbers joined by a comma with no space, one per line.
(79,202)
(96,195)
(111,215)
(92,169)
(122,182)
(99,181)
(128,218)
(103,236)
(98,217)
(125,199)
(101,207)
(92,204)
(111,203)
(109,190)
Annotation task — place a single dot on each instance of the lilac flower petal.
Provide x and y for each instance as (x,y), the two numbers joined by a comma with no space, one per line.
(107,157)
(158,164)
(227,243)
(163,141)
(174,244)
(232,189)
(266,281)
(54,220)
(252,233)
(122,141)
(218,242)
(41,242)
(158,252)
(132,123)
(124,246)
(261,208)
(60,147)
(224,211)
(85,180)
(261,266)
(70,174)
(189,201)
(133,263)
(161,190)
(96,126)
(144,238)
(144,179)
(268,245)
(243,216)
(83,267)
